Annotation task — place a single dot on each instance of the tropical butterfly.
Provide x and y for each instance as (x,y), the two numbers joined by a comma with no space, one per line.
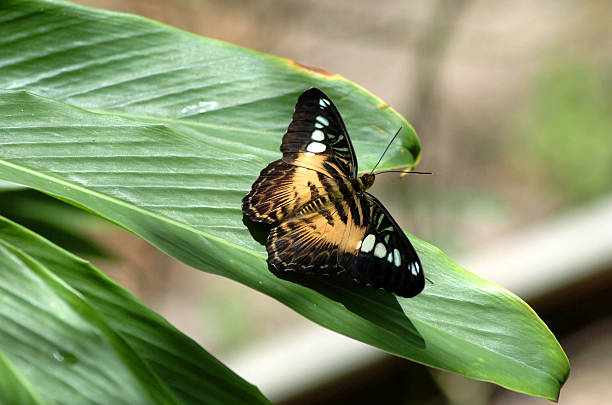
(323,219)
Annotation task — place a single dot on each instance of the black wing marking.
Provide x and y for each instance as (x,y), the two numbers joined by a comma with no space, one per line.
(307,243)
(279,191)
(317,129)
(384,258)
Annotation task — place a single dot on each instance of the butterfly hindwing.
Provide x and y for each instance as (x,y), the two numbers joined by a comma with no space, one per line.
(366,242)
(317,130)
(383,257)
(307,243)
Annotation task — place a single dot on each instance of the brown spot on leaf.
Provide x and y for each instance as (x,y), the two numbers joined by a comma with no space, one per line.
(378,128)
(382,106)
(311,69)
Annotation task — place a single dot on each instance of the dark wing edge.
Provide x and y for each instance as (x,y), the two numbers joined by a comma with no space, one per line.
(317,128)
(385,258)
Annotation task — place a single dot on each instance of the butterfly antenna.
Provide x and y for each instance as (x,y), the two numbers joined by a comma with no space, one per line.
(387,148)
(403,172)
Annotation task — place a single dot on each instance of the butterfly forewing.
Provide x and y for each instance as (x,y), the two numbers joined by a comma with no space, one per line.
(280,191)
(318,130)
(383,257)
(317,140)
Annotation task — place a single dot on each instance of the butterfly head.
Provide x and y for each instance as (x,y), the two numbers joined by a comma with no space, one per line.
(366,181)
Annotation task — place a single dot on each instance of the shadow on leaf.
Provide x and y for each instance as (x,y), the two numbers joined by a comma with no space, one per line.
(362,300)
(258,230)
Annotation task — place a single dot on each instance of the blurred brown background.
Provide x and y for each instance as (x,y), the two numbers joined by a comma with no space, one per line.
(512,101)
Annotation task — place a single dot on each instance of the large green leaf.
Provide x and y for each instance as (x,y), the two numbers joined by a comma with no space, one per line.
(59,222)
(163,132)
(71,335)
(13,388)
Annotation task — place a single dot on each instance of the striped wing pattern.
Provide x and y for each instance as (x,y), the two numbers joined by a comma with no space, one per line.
(382,256)
(323,220)
(308,243)
(318,130)
(279,192)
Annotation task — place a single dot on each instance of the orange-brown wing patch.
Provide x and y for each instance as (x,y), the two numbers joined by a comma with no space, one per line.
(330,166)
(355,232)
(307,243)
(313,242)
(280,191)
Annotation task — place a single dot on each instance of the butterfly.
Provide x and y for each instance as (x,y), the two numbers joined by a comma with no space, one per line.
(324,221)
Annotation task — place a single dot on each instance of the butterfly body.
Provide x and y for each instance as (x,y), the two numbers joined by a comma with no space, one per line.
(324,220)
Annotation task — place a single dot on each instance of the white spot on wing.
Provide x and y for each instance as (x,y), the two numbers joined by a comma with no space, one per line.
(397,259)
(414,268)
(390,257)
(316,147)
(380,250)
(322,120)
(368,243)
(317,135)
(319,125)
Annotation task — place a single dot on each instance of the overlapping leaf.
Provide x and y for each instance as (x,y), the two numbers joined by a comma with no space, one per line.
(163,133)
(71,335)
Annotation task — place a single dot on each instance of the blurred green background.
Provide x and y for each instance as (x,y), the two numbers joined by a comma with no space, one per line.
(512,102)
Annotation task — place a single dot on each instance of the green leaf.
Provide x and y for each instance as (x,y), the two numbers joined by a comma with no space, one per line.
(163,133)
(77,337)
(59,222)
(13,387)
(6,186)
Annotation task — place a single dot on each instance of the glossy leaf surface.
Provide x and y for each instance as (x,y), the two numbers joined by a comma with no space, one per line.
(163,133)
